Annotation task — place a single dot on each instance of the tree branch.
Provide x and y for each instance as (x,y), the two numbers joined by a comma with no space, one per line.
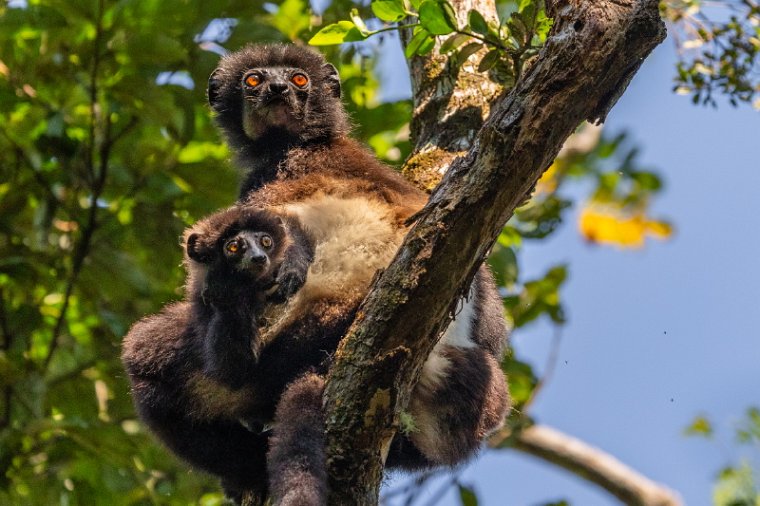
(591,464)
(594,49)
(96,178)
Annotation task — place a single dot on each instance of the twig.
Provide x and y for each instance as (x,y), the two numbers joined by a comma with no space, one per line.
(97,184)
(551,364)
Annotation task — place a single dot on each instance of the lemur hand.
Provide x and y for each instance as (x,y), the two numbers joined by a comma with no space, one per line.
(289,280)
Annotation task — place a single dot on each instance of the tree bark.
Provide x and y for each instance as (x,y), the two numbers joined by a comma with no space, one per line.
(450,104)
(593,51)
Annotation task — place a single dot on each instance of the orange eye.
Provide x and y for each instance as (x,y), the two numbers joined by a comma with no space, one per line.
(252,80)
(300,80)
(232,247)
(266,241)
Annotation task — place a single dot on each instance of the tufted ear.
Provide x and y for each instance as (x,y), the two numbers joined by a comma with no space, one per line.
(214,83)
(197,250)
(332,79)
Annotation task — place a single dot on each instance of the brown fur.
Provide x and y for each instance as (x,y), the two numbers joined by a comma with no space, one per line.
(342,168)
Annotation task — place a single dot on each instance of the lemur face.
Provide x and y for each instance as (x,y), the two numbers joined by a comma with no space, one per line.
(249,252)
(277,91)
(274,97)
(239,242)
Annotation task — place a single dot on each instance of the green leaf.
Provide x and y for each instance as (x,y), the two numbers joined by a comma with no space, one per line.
(524,4)
(478,22)
(648,181)
(337,33)
(419,39)
(292,18)
(520,378)
(437,17)
(389,10)
(453,42)
(527,7)
(467,496)
(489,60)
(543,25)
(469,50)
(701,426)
(517,28)
(426,46)
(503,262)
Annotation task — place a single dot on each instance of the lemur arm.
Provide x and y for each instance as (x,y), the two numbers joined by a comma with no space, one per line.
(230,346)
(295,264)
(229,305)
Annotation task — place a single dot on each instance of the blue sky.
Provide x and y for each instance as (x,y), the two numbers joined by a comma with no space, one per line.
(658,336)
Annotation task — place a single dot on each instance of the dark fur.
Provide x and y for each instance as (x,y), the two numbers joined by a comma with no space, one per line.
(181,360)
(297,450)
(317,114)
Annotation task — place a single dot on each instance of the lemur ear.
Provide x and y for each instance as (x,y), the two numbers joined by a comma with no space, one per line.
(214,82)
(332,79)
(198,251)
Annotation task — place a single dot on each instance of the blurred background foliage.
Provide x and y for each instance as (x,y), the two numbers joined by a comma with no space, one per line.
(107,151)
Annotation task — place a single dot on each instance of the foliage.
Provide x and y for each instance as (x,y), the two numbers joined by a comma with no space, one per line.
(509,42)
(737,483)
(107,152)
(717,56)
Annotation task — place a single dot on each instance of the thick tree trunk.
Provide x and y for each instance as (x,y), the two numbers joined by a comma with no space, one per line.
(594,49)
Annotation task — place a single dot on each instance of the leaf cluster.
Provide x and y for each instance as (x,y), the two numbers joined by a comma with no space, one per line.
(736,484)
(717,57)
(505,45)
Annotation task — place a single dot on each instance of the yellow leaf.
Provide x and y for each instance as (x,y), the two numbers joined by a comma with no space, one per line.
(548,181)
(614,226)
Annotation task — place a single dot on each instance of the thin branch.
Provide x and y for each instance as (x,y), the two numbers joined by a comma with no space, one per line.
(551,365)
(593,465)
(5,346)
(413,484)
(97,184)
(443,489)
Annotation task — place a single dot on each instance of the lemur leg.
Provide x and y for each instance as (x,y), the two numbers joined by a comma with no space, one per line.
(453,415)
(160,354)
(296,458)
(462,393)
(220,447)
